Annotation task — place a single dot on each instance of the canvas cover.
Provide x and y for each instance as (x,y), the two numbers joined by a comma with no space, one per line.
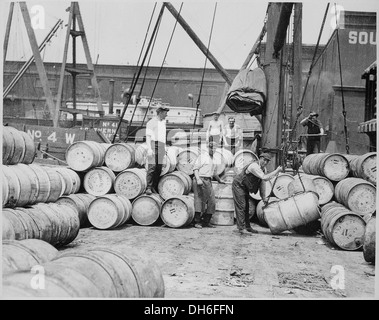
(247,94)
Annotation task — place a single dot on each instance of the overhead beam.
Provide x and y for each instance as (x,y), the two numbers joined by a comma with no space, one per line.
(199,43)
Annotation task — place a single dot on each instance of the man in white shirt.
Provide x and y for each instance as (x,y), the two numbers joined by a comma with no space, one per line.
(156,143)
(215,131)
(246,182)
(233,135)
(205,203)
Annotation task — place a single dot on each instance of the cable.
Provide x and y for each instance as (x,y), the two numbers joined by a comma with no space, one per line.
(160,70)
(342,93)
(205,65)
(139,72)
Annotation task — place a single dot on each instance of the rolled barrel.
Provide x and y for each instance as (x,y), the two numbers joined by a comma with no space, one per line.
(174,184)
(356,194)
(109,211)
(333,166)
(24,254)
(101,272)
(289,213)
(131,183)
(146,209)
(178,211)
(342,227)
(84,155)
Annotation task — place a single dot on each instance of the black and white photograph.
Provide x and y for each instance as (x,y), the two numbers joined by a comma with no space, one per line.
(189,155)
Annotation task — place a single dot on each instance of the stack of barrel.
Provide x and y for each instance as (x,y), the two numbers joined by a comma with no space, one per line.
(347,196)
(30,192)
(33,269)
(115,174)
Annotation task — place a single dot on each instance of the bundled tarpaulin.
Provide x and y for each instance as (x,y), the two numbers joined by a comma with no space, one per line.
(247,94)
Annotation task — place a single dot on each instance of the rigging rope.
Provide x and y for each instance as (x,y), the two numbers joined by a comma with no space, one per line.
(300,107)
(139,72)
(205,65)
(159,73)
(144,41)
(142,85)
(342,94)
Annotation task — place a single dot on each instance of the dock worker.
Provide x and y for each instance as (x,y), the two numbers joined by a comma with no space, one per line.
(233,135)
(315,131)
(215,131)
(204,170)
(156,148)
(246,182)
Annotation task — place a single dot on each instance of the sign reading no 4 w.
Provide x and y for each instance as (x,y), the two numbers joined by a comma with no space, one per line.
(55,136)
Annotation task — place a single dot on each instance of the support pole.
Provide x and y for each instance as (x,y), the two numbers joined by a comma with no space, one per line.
(272,118)
(39,63)
(7,31)
(63,66)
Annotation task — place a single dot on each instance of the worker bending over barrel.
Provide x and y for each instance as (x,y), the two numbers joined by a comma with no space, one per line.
(205,203)
(246,182)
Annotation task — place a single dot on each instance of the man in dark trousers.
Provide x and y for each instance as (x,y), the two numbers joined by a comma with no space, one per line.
(246,182)
(315,131)
(156,148)
(205,203)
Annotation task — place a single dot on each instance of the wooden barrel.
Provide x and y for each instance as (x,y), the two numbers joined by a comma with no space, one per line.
(169,160)
(101,272)
(131,183)
(280,185)
(19,146)
(363,166)
(228,175)
(292,212)
(259,210)
(146,209)
(186,160)
(71,179)
(79,202)
(84,155)
(324,187)
(57,186)
(8,231)
(223,159)
(30,148)
(28,172)
(5,189)
(268,190)
(141,154)
(342,227)
(22,223)
(43,182)
(174,184)
(109,211)
(20,255)
(224,213)
(356,194)
(178,211)
(99,181)
(300,184)
(64,222)
(369,240)
(333,166)
(242,158)
(120,156)
(14,188)
(8,145)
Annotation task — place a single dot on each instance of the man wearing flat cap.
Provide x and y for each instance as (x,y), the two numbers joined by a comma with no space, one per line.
(156,144)
(315,130)
(246,182)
